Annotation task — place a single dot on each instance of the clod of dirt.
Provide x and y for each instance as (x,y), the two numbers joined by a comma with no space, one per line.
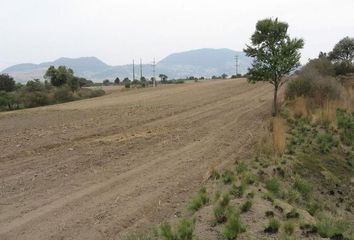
(269,214)
(270,230)
(279,208)
(292,214)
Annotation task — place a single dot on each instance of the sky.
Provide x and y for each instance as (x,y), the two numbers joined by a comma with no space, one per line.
(117,31)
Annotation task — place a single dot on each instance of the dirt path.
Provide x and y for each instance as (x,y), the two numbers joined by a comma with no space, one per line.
(97,168)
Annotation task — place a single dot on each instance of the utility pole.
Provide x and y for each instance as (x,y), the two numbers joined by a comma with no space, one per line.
(236,64)
(154,72)
(133,70)
(141,69)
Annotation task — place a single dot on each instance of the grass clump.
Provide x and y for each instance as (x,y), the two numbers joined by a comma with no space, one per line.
(222,209)
(184,231)
(329,226)
(303,187)
(345,122)
(241,167)
(273,186)
(199,200)
(228,177)
(273,226)
(246,206)
(238,191)
(233,227)
(289,228)
(326,142)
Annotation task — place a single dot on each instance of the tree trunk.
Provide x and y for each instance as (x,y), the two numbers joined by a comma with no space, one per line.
(275,101)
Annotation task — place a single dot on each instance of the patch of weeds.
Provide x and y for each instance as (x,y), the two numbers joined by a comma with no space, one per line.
(250,195)
(238,191)
(214,175)
(313,208)
(273,226)
(303,187)
(216,196)
(184,231)
(233,227)
(289,228)
(345,123)
(328,226)
(228,177)
(273,186)
(292,196)
(269,197)
(248,178)
(222,209)
(246,206)
(292,214)
(199,200)
(326,142)
(241,167)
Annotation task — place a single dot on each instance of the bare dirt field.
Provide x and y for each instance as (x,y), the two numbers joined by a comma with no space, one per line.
(98,168)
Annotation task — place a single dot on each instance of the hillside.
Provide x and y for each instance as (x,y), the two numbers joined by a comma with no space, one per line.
(201,62)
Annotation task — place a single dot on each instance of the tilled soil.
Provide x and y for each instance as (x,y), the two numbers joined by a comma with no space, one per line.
(98,168)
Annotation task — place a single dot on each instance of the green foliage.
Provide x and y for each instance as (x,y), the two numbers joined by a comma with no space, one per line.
(328,226)
(6,100)
(222,208)
(63,94)
(184,231)
(7,83)
(245,207)
(275,54)
(326,142)
(303,187)
(199,200)
(241,167)
(273,185)
(59,76)
(273,225)
(35,86)
(313,208)
(233,227)
(345,123)
(227,177)
(238,191)
(289,228)
(343,50)
(73,84)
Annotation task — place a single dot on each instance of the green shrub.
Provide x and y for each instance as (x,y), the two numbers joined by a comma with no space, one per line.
(227,177)
(127,84)
(246,206)
(273,186)
(313,208)
(184,231)
(63,94)
(34,99)
(233,227)
(90,93)
(328,226)
(199,200)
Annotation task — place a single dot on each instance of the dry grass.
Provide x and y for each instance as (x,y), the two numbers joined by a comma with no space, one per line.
(300,107)
(279,135)
(326,115)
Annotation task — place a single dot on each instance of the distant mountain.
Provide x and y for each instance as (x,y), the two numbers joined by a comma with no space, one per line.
(200,62)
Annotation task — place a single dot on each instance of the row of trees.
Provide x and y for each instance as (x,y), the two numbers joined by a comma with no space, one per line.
(60,86)
(276,55)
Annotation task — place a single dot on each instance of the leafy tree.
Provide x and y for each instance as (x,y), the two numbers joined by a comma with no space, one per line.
(163,78)
(6,100)
(74,83)
(224,76)
(35,86)
(117,81)
(59,76)
(126,80)
(7,83)
(343,50)
(106,82)
(84,82)
(274,54)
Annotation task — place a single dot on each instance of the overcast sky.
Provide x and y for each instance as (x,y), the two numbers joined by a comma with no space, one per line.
(116,31)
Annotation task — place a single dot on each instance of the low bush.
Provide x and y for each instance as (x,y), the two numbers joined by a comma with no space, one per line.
(63,94)
(345,122)
(289,228)
(303,187)
(222,209)
(238,191)
(273,226)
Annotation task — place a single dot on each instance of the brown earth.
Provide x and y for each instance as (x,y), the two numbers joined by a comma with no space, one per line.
(98,168)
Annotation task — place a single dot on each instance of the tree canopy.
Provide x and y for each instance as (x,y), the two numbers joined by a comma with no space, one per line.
(7,83)
(274,54)
(59,76)
(343,50)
